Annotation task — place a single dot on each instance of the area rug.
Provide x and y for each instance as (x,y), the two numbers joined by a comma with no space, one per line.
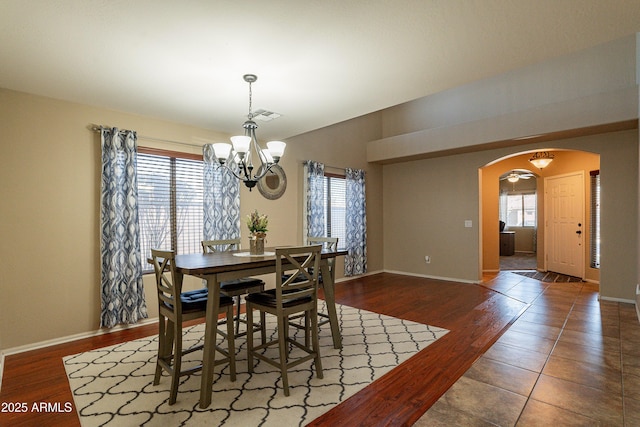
(112,386)
(548,276)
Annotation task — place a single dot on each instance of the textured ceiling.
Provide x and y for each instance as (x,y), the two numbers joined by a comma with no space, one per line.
(318,61)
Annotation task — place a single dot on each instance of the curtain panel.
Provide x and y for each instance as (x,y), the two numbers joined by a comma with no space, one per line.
(356,223)
(221,199)
(122,291)
(315,198)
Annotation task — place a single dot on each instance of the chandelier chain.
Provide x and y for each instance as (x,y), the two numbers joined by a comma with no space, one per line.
(250,102)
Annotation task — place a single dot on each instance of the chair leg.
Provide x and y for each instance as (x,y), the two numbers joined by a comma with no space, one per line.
(249,308)
(282,339)
(177,361)
(161,348)
(238,301)
(306,329)
(263,327)
(231,347)
(316,342)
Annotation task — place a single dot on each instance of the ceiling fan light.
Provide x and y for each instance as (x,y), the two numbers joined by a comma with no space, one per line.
(513,178)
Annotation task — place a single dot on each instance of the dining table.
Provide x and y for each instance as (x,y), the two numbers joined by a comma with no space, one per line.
(217,267)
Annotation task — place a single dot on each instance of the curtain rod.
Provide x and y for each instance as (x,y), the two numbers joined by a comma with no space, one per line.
(96,128)
(328,166)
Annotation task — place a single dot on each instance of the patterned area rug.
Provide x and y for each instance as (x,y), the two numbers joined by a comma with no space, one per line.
(549,276)
(113,385)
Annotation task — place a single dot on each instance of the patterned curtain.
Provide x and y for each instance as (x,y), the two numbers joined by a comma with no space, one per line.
(221,199)
(356,261)
(121,272)
(315,198)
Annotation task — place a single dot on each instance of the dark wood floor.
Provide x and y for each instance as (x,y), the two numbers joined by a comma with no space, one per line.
(475,316)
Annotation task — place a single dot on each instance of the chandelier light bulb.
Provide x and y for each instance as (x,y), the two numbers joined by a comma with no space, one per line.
(241,144)
(276,149)
(222,151)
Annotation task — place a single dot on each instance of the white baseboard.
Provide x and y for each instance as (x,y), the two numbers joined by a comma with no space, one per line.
(75,337)
(624,300)
(368,273)
(426,276)
(65,339)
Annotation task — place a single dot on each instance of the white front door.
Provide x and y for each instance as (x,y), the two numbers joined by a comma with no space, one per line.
(564,223)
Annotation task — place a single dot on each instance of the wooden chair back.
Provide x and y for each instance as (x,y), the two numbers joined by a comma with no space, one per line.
(212,246)
(168,283)
(330,244)
(297,272)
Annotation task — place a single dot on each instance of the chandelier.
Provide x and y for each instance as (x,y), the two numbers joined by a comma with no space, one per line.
(238,157)
(541,159)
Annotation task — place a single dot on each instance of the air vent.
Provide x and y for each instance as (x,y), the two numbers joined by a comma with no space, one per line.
(265,116)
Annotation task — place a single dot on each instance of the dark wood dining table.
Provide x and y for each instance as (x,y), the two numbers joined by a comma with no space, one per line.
(222,266)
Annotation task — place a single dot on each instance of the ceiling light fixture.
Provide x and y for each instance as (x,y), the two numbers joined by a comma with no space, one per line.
(514,177)
(239,155)
(541,159)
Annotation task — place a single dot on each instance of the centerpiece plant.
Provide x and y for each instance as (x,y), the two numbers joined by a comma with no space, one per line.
(257,224)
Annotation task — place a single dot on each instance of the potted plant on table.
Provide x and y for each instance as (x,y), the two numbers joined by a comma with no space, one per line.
(257,225)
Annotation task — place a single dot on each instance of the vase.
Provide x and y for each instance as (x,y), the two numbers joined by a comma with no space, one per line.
(256,245)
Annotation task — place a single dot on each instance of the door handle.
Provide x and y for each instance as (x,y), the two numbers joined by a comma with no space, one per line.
(579,232)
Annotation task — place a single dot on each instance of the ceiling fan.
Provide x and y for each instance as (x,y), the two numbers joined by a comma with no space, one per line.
(515,176)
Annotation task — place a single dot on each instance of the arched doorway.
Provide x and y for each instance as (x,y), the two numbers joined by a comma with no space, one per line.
(518,215)
(565,161)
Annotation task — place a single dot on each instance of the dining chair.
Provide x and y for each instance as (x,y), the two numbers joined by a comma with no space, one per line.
(331,244)
(234,288)
(290,296)
(176,307)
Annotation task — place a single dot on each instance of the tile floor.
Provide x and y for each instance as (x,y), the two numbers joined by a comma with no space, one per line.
(569,360)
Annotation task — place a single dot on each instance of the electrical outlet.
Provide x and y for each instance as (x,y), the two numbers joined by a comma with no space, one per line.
(427,259)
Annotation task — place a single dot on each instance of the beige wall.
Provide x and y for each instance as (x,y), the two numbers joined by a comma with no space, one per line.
(50,175)
(588,88)
(426,204)
(585,88)
(440,193)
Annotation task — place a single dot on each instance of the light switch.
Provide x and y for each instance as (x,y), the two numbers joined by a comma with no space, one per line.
(468,223)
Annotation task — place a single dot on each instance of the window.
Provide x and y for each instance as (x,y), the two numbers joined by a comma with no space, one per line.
(169,202)
(519,210)
(595,219)
(335,208)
